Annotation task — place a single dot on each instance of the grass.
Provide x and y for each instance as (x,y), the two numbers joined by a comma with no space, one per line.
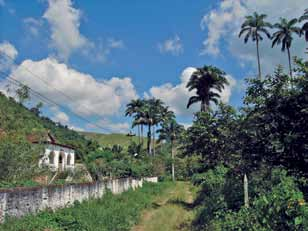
(172,210)
(108,140)
(112,212)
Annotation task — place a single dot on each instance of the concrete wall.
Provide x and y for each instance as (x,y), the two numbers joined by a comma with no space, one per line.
(18,202)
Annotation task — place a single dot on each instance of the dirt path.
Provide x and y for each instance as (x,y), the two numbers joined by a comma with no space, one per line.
(170,211)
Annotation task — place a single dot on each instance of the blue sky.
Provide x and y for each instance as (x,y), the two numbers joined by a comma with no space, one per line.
(104,53)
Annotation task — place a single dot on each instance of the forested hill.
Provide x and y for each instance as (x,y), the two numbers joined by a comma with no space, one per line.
(17,120)
(108,140)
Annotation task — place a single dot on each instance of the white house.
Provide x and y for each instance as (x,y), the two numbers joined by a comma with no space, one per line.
(56,156)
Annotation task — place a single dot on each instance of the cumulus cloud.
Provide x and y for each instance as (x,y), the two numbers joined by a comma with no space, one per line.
(33,25)
(111,126)
(176,96)
(66,38)
(223,24)
(186,125)
(61,117)
(8,54)
(87,96)
(172,46)
(64,21)
(101,51)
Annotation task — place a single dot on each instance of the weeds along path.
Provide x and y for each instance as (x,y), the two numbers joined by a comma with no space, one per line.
(170,211)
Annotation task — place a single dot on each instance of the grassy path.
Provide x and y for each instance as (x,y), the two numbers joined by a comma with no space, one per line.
(170,211)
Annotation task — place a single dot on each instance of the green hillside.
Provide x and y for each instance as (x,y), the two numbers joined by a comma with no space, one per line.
(18,157)
(108,140)
(18,120)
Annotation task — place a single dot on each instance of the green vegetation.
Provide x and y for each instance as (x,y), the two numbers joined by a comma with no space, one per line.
(267,141)
(151,113)
(208,82)
(112,212)
(18,157)
(109,140)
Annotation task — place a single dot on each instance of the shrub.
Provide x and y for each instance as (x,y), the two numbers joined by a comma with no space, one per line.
(111,212)
(281,208)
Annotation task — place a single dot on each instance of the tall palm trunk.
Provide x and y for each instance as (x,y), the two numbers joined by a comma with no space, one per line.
(142,134)
(139,133)
(172,157)
(203,106)
(153,140)
(289,58)
(149,144)
(258,58)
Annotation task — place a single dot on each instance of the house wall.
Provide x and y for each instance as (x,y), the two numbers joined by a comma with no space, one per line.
(53,162)
(18,202)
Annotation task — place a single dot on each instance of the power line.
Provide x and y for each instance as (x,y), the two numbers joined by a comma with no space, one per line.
(48,84)
(6,76)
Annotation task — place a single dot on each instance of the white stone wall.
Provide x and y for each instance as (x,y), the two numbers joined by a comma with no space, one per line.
(18,202)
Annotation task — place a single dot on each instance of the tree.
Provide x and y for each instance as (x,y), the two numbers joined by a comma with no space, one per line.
(23,93)
(304,17)
(253,27)
(170,131)
(152,111)
(213,137)
(208,82)
(135,108)
(37,109)
(284,36)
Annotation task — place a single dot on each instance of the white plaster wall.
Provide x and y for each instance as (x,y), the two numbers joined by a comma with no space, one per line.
(21,201)
(54,164)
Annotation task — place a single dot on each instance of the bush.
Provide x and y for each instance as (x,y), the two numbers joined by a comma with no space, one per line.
(281,208)
(112,212)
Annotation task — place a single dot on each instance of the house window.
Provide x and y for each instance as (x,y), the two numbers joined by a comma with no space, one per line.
(52,157)
(69,159)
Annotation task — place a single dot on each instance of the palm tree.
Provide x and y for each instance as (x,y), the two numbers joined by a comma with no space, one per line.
(153,112)
(304,17)
(134,108)
(170,131)
(253,26)
(208,82)
(283,36)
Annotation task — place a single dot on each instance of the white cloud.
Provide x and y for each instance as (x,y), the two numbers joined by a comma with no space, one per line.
(65,21)
(113,43)
(226,93)
(75,128)
(61,117)
(173,46)
(177,96)
(66,38)
(111,126)
(186,125)
(33,25)
(87,96)
(101,51)
(223,25)
(8,54)
(217,22)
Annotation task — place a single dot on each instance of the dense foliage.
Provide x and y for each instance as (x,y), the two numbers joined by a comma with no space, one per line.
(133,162)
(267,140)
(18,157)
(112,212)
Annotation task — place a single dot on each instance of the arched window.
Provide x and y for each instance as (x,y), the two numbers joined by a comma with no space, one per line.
(61,157)
(69,159)
(52,156)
